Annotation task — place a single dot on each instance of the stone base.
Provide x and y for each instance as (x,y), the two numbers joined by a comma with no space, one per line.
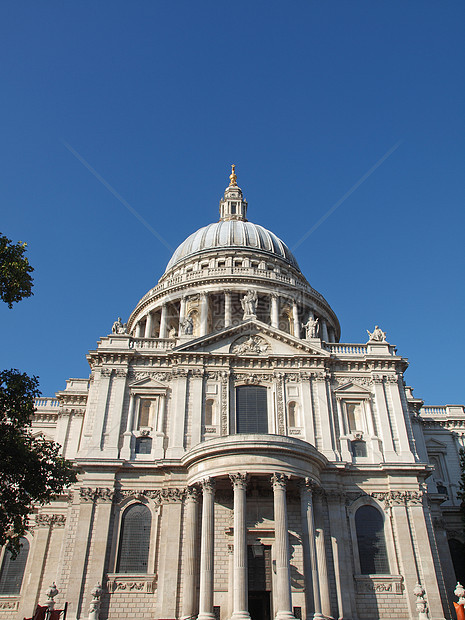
(240,615)
(284,615)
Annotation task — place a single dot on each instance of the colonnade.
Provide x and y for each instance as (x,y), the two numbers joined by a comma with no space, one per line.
(326,332)
(282,584)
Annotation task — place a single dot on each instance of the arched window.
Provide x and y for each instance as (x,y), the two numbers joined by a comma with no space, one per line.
(12,571)
(251,409)
(292,414)
(134,540)
(143,445)
(209,412)
(369,524)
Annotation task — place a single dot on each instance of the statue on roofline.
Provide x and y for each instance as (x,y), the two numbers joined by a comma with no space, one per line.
(119,327)
(377,335)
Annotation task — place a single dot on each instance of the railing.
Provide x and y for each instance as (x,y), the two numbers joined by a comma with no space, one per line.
(346,349)
(154,343)
(441,410)
(46,403)
(200,274)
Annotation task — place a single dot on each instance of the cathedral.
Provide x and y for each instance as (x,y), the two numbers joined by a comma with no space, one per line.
(237,461)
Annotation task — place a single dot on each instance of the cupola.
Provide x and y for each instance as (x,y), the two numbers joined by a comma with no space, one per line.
(233,206)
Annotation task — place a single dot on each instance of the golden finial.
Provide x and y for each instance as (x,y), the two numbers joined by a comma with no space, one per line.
(232,176)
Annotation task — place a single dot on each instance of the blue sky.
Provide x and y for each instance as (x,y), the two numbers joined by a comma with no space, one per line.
(305,97)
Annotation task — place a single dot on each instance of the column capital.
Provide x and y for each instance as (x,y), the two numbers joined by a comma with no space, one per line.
(192,494)
(208,485)
(278,481)
(307,485)
(239,480)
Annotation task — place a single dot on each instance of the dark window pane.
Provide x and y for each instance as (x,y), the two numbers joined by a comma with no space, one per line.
(369,524)
(251,409)
(134,540)
(143,445)
(359,448)
(12,571)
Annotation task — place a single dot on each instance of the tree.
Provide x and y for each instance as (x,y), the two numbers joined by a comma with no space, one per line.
(31,469)
(15,280)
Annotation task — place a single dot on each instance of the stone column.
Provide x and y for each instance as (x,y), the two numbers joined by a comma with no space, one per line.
(309,546)
(320,548)
(148,325)
(230,580)
(190,546)
(164,322)
(283,599)
(324,330)
(274,310)
(99,535)
(295,316)
(182,314)
(206,551)
(340,545)
(138,333)
(240,598)
(127,436)
(203,314)
(227,309)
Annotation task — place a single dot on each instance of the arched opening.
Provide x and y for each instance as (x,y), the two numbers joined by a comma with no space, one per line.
(134,540)
(209,411)
(457,552)
(292,414)
(369,524)
(12,571)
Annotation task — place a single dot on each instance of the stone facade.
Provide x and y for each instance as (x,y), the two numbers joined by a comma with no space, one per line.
(278,472)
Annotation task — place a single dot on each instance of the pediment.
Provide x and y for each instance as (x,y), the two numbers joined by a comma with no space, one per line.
(148,384)
(352,389)
(251,338)
(435,444)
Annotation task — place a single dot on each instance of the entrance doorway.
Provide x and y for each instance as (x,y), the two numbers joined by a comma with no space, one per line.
(259,581)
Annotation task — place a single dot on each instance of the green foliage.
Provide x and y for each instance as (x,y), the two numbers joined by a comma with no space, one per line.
(461,492)
(15,281)
(31,468)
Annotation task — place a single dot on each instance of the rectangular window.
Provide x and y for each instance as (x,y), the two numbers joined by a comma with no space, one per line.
(251,409)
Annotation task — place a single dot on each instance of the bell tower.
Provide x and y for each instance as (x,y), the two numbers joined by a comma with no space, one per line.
(233,206)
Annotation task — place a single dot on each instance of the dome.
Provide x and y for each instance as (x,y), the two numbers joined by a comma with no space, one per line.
(232,234)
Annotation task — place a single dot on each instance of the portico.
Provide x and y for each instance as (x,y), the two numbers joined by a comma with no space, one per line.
(272,472)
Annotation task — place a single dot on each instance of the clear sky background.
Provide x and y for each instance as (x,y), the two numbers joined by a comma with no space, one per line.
(304,96)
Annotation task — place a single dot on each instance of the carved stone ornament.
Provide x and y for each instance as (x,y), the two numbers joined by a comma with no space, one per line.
(224,402)
(389,498)
(250,345)
(171,495)
(131,584)
(88,494)
(279,481)
(252,378)
(379,585)
(239,481)
(280,402)
(50,520)
(9,605)
(208,485)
